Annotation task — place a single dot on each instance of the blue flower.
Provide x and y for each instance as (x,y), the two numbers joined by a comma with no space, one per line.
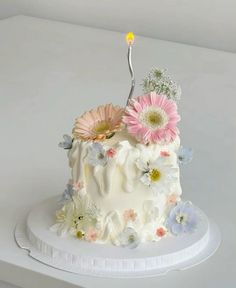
(67,143)
(182,219)
(97,155)
(129,238)
(184,155)
(68,193)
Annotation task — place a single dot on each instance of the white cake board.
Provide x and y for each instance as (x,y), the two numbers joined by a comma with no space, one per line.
(72,255)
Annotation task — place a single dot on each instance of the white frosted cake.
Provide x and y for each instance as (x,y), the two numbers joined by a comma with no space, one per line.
(125,185)
(122,212)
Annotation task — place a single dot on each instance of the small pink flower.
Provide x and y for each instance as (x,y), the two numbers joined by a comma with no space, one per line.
(91,235)
(77,186)
(172,199)
(130,215)
(111,153)
(152,118)
(161,232)
(164,154)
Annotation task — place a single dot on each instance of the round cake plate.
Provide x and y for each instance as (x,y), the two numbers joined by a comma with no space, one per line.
(33,234)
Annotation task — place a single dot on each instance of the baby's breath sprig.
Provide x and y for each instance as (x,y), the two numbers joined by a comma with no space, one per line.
(158,81)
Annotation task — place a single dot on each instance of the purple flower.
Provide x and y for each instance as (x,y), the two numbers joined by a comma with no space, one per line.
(182,219)
(184,155)
(67,143)
(97,155)
(67,194)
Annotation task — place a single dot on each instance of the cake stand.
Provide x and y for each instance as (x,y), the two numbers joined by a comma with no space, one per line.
(81,257)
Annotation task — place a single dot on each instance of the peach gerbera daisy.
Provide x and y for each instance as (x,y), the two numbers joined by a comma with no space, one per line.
(152,118)
(99,124)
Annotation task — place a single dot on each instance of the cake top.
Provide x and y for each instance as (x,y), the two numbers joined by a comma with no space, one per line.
(149,119)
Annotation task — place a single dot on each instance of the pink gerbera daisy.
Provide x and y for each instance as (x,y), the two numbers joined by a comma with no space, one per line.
(99,124)
(152,118)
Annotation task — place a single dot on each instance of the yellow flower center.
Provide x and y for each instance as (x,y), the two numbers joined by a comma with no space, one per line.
(131,238)
(181,218)
(101,127)
(155,175)
(154,118)
(80,234)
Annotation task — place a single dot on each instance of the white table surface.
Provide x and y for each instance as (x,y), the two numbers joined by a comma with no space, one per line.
(50,72)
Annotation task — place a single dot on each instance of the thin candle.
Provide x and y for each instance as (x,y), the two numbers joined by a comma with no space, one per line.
(130,41)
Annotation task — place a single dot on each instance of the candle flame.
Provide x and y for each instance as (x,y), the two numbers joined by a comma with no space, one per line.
(130,38)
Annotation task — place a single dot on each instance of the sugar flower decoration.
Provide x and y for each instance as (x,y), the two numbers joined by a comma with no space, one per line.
(161,83)
(184,155)
(99,124)
(130,215)
(152,118)
(79,188)
(97,155)
(111,152)
(85,212)
(78,185)
(67,143)
(68,192)
(182,219)
(157,174)
(75,216)
(164,154)
(80,234)
(161,232)
(65,220)
(129,238)
(172,199)
(91,235)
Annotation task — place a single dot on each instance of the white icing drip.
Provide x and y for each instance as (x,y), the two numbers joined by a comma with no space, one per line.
(98,177)
(108,174)
(76,160)
(112,226)
(103,176)
(110,186)
(151,211)
(126,158)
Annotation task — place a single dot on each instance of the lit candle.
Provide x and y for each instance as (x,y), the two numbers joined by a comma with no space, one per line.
(130,42)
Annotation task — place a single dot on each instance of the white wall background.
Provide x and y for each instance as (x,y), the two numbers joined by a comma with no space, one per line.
(207,23)
(8,8)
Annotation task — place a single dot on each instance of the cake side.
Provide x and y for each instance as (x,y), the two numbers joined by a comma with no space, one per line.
(125,187)
(81,256)
(118,189)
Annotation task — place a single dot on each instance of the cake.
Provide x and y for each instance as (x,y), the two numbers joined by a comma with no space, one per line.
(125,176)
(122,213)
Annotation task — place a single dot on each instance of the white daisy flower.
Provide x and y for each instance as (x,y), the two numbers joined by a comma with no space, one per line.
(86,213)
(65,220)
(76,216)
(158,174)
